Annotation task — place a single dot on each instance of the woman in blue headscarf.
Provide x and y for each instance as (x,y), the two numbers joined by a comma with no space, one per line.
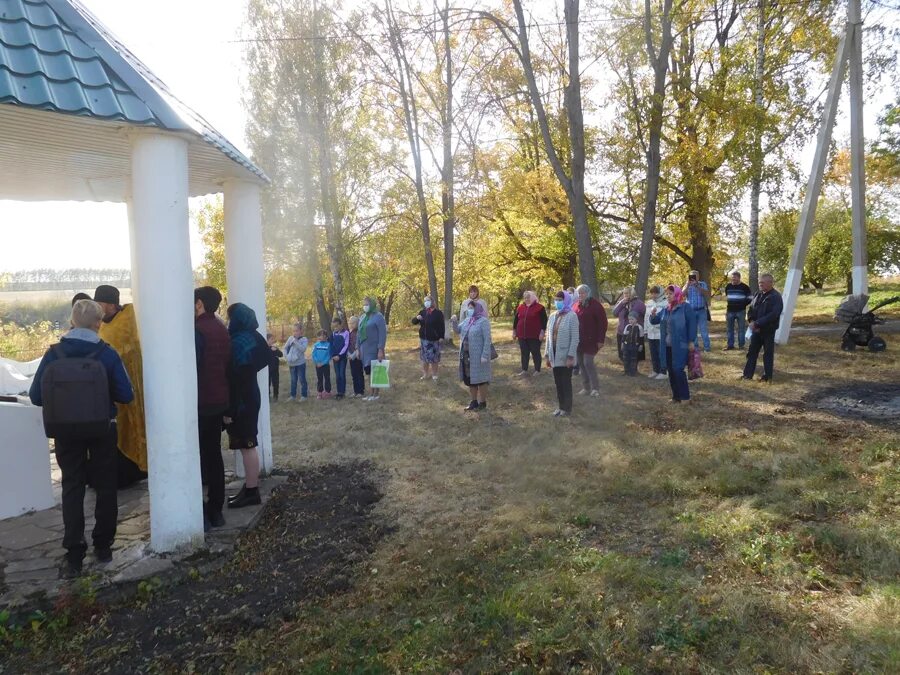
(561,350)
(249,355)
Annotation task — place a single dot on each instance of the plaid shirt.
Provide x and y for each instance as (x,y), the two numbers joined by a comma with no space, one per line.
(695,297)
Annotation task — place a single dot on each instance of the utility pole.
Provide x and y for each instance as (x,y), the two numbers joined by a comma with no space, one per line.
(849,51)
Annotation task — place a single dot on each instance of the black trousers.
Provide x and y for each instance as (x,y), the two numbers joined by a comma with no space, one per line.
(530,347)
(212,466)
(323,378)
(75,457)
(764,340)
(356,374)
(273,381)
(562,376)
(619,338)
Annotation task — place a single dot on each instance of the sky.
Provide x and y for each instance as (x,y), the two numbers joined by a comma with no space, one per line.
(190,45)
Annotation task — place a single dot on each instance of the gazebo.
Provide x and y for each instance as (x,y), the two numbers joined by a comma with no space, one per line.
(84,120)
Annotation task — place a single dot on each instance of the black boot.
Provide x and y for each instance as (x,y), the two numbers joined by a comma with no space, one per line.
(249,498)
(240,494)
(472,406)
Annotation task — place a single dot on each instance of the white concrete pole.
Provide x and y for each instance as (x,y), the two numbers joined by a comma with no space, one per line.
(163,303)
(247,283)
(857,153)
(813,188)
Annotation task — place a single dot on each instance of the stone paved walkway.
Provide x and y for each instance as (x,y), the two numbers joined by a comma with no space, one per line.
(31,544)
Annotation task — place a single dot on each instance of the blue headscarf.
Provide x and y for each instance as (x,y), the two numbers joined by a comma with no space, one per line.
(242,325)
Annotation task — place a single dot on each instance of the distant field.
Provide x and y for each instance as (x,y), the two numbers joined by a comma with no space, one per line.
(40,297)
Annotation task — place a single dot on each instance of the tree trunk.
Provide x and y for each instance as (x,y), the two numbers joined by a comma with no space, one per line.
(660,64)
(757,159)
(330,206)
(411,119)
(448,199)
(577,206)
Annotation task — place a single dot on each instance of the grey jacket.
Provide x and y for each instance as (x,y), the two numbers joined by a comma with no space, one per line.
(376,338)
(479,336)
(565,343)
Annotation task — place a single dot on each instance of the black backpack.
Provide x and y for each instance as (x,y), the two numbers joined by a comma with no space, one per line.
(75,393)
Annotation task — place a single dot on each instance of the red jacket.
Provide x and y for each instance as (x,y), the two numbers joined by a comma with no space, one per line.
(529,321)
(592,325)
(213,364)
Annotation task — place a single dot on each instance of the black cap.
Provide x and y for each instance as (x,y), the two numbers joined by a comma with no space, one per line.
(108,294)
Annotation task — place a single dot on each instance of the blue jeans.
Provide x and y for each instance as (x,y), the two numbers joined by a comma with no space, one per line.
(299,373)
(681,391)
(703,327)
(730,318)
(340,374)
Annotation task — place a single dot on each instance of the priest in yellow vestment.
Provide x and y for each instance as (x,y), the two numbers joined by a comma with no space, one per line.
(119,330)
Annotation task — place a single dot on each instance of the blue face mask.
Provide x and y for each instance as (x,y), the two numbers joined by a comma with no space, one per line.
(470,312)
(560,304)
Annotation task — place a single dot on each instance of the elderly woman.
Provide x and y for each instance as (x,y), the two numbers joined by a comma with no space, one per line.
(592,325)
(529,324)
(431,336)
(249,355)
(474,294)
(562,350)
(677,338)
(371,338)
(658,302)
(474,353)
(627,303)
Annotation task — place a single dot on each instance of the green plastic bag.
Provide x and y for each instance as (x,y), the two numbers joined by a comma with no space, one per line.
(381,374)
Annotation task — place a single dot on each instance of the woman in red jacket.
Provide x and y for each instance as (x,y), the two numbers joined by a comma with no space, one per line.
(592,325)
(529,324)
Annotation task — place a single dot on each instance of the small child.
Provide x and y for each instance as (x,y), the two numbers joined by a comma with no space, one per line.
(340,343)
(295,354)
(321,356)
(356,366)
(274,364)
(632,344)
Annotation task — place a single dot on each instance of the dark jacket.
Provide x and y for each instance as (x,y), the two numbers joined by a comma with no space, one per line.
(680,326)
(738,296)
(339,342)
(274,355)
(213,364)
(765,310)
(431,324)
(592,324)
(530,321)
(120,390)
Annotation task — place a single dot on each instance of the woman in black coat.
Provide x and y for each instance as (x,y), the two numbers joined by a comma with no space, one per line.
(431,336)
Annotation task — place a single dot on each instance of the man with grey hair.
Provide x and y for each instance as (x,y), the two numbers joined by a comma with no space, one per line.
(80,452)
(764,315)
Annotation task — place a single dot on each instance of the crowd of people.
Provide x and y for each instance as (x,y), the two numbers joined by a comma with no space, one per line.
(90,386)
(98,424)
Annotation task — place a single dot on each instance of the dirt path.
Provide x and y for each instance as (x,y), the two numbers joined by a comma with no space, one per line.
(314,533)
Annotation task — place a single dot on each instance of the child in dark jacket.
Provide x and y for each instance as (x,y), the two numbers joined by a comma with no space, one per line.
(274,355)
(321,356)
(340,343)
(632,344)
(356,366)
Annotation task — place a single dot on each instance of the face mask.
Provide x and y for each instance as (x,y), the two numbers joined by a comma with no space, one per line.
(470,312)
(427,304)
(560,304)
(366,309)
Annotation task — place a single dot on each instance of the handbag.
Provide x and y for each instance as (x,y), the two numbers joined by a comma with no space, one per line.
(494,354)
(695,368)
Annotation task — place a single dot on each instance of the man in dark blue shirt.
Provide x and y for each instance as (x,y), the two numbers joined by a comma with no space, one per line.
(738,296)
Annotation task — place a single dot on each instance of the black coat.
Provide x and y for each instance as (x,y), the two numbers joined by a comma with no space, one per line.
(765,310)
(431,324)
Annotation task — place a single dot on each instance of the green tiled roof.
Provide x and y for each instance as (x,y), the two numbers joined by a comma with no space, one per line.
(55,55)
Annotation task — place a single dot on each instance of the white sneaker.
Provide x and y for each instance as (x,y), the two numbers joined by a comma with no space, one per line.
(662,376)
(521,373)
(595,393)
(434,378)
(535,373)
(652,375)
(583,392)
(424,377)
(557,412)
(291,398)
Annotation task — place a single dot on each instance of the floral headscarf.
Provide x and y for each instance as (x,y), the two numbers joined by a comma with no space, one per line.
(677,296)
(480,311)
(568,301)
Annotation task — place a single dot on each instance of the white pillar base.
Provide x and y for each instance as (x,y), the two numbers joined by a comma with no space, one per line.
(860,280)
(247,283)
(162,260)
(789,293)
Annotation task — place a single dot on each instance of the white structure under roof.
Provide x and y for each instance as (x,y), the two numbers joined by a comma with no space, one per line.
(81,118)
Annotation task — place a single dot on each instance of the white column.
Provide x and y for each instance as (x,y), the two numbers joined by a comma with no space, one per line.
(164,305)
(857,153)
(247,283)
(813,188)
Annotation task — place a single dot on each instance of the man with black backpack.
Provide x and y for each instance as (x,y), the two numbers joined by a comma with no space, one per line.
(78,383)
